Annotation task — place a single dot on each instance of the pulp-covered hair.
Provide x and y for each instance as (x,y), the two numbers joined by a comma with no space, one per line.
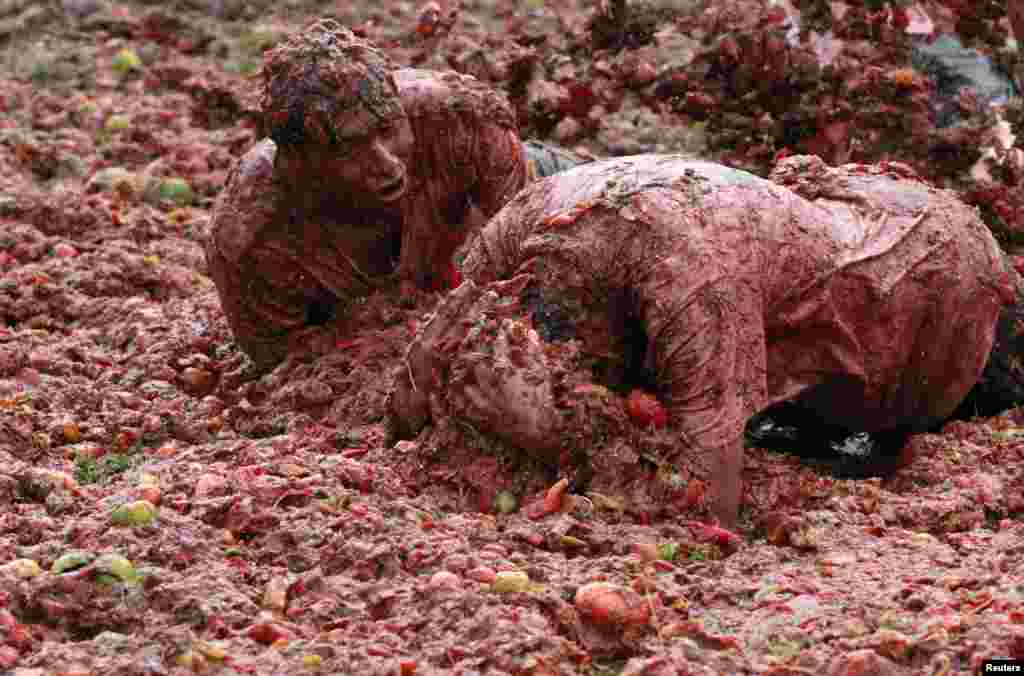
(317,75)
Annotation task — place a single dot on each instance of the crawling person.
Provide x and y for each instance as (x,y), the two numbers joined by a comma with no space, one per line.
(861,292)
(370,174)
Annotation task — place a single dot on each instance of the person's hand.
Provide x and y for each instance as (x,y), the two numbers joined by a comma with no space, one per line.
(426,361)
(420,386)
(502,384)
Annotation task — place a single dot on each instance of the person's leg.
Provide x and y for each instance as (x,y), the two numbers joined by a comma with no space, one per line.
(788,426)
(805,426)
(814,428)
(869,454)
(1001,385)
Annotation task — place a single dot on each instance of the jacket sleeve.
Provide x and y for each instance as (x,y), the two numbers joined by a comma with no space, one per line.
(468,154)
(251,277)
(246,205)
(705,326)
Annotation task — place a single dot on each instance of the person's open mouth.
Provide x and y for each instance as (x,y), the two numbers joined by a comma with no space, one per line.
(392,190)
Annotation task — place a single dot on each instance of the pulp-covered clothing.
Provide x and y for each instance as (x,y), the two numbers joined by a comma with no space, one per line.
(864,291)
(280,269)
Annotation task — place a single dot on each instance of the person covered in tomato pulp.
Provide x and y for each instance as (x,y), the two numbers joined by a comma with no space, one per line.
(861,292)
(371,175)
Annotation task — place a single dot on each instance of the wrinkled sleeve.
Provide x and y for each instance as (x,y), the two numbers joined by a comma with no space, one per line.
(468,160)
(705,325)
(501,169)
(259,308)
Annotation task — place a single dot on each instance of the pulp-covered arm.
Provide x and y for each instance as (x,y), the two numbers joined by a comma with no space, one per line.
(704,322)
(477,358)
(468,154)
(263,288)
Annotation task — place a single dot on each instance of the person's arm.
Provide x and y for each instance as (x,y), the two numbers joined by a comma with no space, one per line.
(468,163)
(704,322)
(255,282)
(478,358)
(501,167)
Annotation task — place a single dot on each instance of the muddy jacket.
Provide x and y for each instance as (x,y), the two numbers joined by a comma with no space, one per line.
(861,289)
(278,270)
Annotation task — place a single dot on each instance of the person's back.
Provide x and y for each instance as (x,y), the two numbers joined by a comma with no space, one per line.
(841,283)
(899,330)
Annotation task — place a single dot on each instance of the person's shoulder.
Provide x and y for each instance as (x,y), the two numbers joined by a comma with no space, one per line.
(431,94)
(245,205)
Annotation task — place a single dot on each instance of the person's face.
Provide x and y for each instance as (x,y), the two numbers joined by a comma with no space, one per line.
(369,163)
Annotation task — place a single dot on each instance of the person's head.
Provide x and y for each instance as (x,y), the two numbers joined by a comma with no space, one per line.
(331,105)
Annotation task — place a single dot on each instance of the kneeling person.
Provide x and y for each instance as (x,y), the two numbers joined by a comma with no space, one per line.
(867,295)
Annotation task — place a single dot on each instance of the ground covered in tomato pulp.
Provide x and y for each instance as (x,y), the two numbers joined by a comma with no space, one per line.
(166,510)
